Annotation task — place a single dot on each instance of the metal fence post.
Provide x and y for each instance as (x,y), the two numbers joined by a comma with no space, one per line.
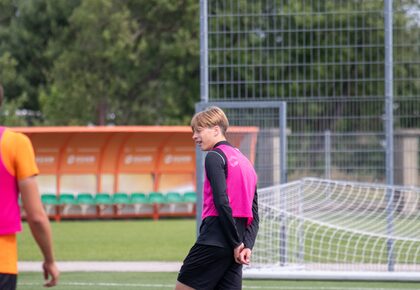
(327,152)
(389,129)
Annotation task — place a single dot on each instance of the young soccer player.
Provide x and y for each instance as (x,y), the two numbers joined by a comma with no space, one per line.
(17,174)
(230,210)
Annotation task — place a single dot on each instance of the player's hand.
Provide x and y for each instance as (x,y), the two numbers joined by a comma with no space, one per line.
(245,256)
(50,272)
(237,253)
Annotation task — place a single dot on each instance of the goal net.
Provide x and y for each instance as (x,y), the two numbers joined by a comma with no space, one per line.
(314,228)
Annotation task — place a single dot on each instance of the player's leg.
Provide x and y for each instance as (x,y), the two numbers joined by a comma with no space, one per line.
(8,281)
(181,286)
(204,266)
(232,279)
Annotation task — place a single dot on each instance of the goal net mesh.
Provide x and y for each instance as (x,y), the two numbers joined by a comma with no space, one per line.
(324,225)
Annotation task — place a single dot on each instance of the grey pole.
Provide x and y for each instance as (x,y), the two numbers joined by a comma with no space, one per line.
(327,152)
(204,96)
(283,142)
(283,179)
(200,181)
(389,129)
(204,60)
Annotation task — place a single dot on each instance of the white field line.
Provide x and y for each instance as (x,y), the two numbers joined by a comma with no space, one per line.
(81,266)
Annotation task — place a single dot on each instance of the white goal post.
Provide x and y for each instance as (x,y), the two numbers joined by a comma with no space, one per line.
(337,230)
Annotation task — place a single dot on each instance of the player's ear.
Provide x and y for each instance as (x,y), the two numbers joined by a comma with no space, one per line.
(216,131)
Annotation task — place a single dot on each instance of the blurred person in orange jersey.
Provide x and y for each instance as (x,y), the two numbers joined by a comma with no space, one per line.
(18,172)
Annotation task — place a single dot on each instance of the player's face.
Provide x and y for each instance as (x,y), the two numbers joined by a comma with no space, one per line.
(205,138)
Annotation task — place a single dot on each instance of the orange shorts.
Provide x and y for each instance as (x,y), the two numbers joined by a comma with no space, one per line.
(8,254)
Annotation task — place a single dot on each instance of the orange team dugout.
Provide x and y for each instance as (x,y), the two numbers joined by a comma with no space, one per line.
(121,158)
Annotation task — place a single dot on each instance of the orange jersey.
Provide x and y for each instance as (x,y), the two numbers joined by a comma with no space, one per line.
(18,160)
(17,154)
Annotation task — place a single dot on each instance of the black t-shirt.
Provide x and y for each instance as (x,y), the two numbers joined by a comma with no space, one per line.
(225,230)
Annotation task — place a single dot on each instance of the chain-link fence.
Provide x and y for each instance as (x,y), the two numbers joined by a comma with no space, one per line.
(326,59)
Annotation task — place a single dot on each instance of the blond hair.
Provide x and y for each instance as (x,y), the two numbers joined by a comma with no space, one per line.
(210,117)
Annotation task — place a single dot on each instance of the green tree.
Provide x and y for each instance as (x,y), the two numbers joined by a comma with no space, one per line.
(10,106)
(26,30)
(122,64)
(102,61)
(90,73)
(168,55)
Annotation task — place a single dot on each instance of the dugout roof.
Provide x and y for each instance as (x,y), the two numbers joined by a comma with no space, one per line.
(113,151)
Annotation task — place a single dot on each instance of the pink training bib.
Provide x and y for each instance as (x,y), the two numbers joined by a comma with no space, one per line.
(241,183)
(10,222)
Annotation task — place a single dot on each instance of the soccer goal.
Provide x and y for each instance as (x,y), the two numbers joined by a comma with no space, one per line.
(324,229)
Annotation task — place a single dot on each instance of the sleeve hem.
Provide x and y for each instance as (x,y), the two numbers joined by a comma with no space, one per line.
(27,175)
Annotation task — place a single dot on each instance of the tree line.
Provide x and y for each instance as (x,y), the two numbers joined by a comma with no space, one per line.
(74,62)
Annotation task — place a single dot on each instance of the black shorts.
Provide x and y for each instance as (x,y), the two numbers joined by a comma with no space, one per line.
(8,281)
(211,267)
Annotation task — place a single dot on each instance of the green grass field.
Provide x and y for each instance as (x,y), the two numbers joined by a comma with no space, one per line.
(142,240)
(128,240)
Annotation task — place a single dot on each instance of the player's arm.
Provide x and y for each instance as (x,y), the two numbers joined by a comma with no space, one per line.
(26,171)
(252,229)
(244,256)
(40,226)
(215,170)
